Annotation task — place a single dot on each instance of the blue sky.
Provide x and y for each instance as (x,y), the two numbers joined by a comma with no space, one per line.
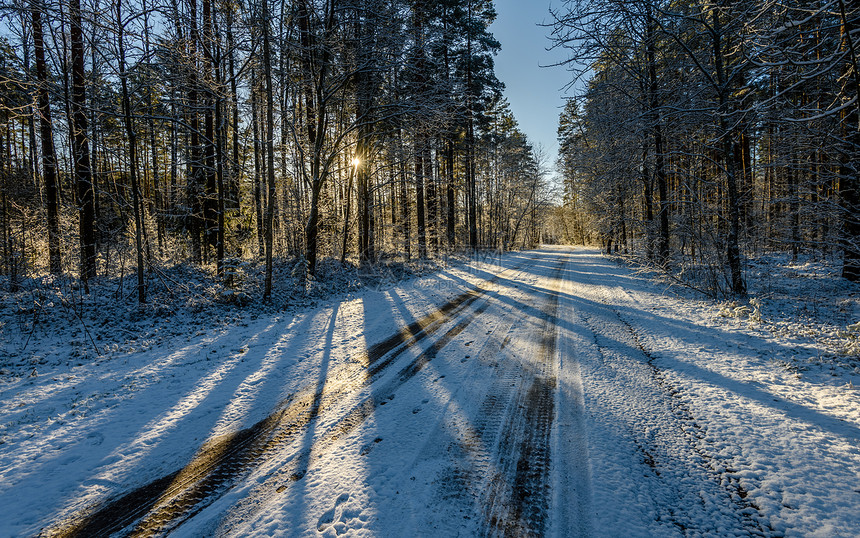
(535,92)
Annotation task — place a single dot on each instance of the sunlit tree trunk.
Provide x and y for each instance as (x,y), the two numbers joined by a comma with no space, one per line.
(270,149)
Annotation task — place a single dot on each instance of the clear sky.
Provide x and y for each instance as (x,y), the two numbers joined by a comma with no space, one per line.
(535,92)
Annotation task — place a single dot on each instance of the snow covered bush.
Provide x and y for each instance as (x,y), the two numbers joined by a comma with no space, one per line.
(736,310)
(851,340)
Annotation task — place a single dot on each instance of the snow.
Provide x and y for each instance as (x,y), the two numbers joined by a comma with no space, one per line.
(672,415)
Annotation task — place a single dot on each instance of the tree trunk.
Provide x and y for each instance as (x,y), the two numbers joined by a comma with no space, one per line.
(235,168)
(732,240)
(405,217)
(451,205)
(364,91)
(49,159)
(80,147)
(471,189)
(132,155)
(419,196)
(220,141)
(657,132)
(316,65)
(258,178)
(195,172)
(346,216)
(431,199)
(210,198)
(157,207)
(648,199)
(270,150)
(849,173)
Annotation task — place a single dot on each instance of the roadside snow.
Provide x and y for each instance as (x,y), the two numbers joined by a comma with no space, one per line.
(770,404)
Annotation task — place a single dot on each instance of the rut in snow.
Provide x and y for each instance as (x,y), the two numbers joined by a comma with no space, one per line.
(517,502)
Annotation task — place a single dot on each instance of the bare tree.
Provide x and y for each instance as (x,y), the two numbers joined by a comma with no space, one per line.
(80,145)
(49,159)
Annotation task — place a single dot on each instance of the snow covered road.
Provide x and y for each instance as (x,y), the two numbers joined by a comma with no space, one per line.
(549,392)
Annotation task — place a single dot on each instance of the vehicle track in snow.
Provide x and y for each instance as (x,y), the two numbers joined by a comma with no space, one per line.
(517,496)
(164,503)
(534,358)
(498,462)
(517,392)
(280,481)
(752,517)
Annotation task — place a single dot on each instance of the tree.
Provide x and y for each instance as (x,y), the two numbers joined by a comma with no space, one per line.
(49,160)
(80,146)
(210,120)
(131,135)
(849,168)
(270,145)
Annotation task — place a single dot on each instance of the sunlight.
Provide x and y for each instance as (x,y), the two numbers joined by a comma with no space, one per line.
(157,428)
(115,385)
(242,402)
(477,453)
(140,377)
(346,471)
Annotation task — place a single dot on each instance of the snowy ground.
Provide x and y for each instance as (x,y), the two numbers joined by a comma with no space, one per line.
(550,392)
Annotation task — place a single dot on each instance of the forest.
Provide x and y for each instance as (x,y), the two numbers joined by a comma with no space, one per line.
(709,133)
(237,137)
(139,135)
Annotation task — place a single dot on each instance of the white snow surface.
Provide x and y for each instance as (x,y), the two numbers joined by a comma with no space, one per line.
(671,415)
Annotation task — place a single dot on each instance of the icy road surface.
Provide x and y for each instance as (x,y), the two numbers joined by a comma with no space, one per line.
(550,393)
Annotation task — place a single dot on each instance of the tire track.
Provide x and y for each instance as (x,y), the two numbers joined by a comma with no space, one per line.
(500,460)
(470,455)
(165,502)
(752,515)
(517,496)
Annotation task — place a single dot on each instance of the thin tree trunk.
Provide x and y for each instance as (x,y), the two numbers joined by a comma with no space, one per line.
(849,172)
(657,132)
(195,169)
(80,147)
(363,104)
(258,179)
(648,200)
(431,198)
(158,191)
(405,217)
(470,144)
(419,196)
(233,200)
(346,217)
(451,199)
(49,158)
(132,155)
(270,150)
(732,240)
